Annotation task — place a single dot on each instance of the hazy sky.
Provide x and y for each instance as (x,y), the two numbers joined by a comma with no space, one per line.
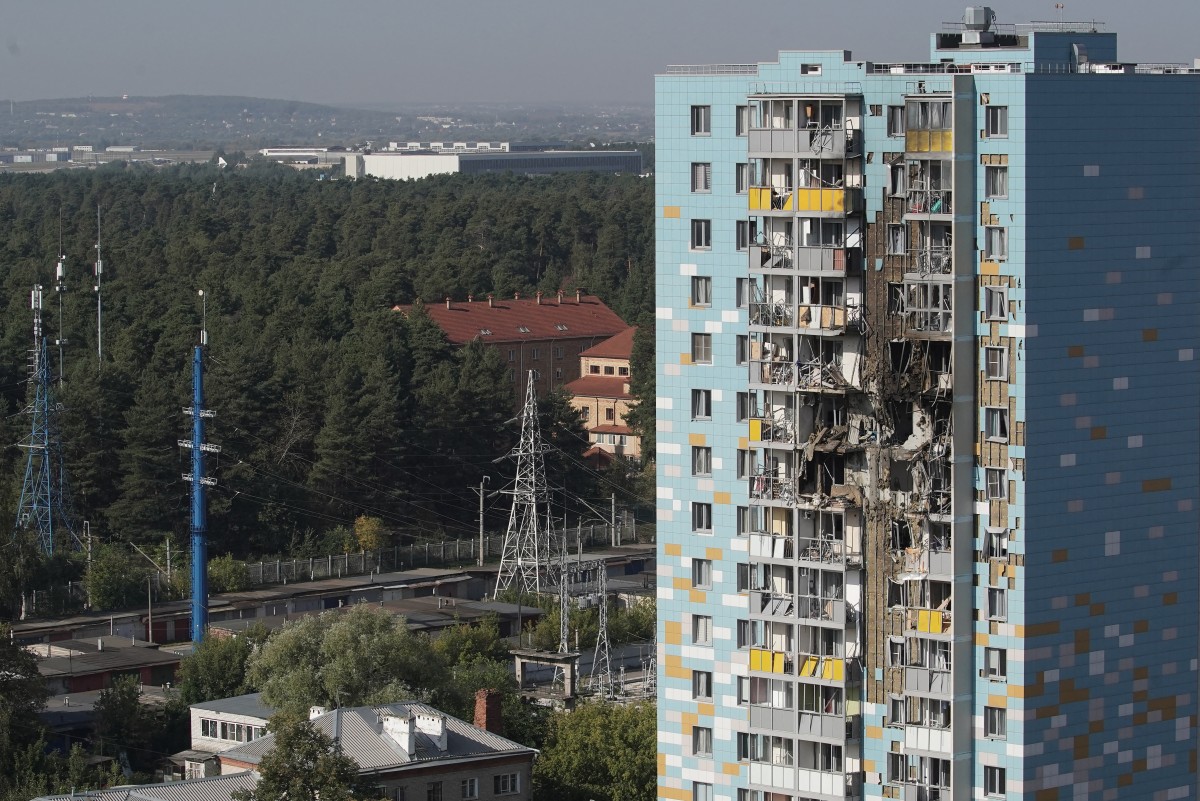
(395,51)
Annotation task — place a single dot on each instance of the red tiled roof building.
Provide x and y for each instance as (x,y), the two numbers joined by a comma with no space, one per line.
(544,333)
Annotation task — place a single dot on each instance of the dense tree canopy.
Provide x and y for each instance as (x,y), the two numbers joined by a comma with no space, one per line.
(599,752)
(305,766)
(329,405)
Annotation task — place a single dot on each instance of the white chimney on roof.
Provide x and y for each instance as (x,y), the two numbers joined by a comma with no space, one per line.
(315,712)
(401,731)
(433,727)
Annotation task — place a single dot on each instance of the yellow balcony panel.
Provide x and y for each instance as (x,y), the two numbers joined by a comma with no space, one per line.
(760,199)
(809,668)
(756,430)
(820,199)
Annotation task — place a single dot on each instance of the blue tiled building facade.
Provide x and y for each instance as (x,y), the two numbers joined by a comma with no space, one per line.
(927,423)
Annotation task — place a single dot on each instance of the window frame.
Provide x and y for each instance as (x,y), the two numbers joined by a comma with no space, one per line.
(741,349)
(741,178)
(702,460)
(702,574)
(701,630)
(741,120)
(895,114)
(702,741)
(701,404)
(701,291)
(997,603)
(897,239)
(702,348)
(1001,657)
(993,176)
(701,515)
(999,492)
(995,303)
(995,723)
(433,791)
(702,791)
(1002,373)
(702,685)
(506,783)
(469,788)
(995,781)
(701,120)
(995,424)
(701,177)
(995,118)
(701,238)
(995,242)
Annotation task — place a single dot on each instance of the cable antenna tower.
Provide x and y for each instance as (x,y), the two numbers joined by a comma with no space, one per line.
(200,483)
(45,506)
(602,681)
(524,545)
(60,289)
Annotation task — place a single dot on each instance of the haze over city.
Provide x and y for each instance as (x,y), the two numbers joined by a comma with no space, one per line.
(376,53)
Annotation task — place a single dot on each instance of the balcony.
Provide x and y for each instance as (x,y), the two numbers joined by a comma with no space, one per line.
(927,680)
(827,259)
(773,315)
(929,142)
(927,621)
(772,603)
(823,200)
(766,546)
(937,260)
(829,551)
(776,426)
(812,141)
(929,201)
(827,610)
(771,257)
(767,661)
(824,668)
(772,488)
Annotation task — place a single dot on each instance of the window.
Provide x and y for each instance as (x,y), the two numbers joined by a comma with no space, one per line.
(701,120)
(701,348)
(609,369)
(702,791)
(585,413)
(995,181)
(622,370)
(208,728)
(744,463)
(995,722)
(741,120)
(470,789)
(702,518)
(743,577)
(743,407)
(895,298)
(898,179)
(610,414)
(996,491)
(743,520)
(701,461)
(895,240)
(742,235)
(701,234)
(701,741)
(895,712)
(512,355)
(594,369)
(741,348)
(506,783)
(701,404)
(702,684)
(995,242)
(741,288)
(996,363)
(996,121)
(995,663)
(701,176)
(701,630)
(558,374)
(993,781)
(741,178)
(701,290)
(995,302)
(433,791)
(997,543)
(536,354)
(895,121)
(995,422)
(997,604)
(512,375)
(559,352)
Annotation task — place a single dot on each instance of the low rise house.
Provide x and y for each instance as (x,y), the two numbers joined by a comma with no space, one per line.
(414,751)
(218,726)
(601,394)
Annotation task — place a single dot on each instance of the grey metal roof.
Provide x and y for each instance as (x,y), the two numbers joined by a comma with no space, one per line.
(213,788)
(250,705)
(363,740)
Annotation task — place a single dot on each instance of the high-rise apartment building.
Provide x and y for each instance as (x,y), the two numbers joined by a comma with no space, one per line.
(927,423)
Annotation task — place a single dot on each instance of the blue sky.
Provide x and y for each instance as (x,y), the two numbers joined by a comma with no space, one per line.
(522,51)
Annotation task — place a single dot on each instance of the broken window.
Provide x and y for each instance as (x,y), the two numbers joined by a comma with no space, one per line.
(901,535)
(895,298)
(996,424)
(996,363)
(995,302)
(997,604)
(895,121)
(996,544)
(996,488)
(896,240)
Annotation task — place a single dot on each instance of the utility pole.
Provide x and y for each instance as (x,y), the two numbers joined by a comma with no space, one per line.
(149,612)
(482,483)
(616,539)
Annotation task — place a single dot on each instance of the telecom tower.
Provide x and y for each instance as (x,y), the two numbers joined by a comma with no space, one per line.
(525,547)
(200,483)
(45,503)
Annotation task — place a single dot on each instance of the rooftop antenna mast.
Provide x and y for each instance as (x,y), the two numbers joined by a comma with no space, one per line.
(99,304)
(521,559)
(44,507)
(200,482)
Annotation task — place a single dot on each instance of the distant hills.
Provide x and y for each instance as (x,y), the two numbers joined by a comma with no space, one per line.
(248,123)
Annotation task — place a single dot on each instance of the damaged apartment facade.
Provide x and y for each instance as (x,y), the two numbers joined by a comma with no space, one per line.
(927,439)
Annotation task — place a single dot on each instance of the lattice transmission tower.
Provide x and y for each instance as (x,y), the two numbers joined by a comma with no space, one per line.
(602,680)
(45,505)
(526,550)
